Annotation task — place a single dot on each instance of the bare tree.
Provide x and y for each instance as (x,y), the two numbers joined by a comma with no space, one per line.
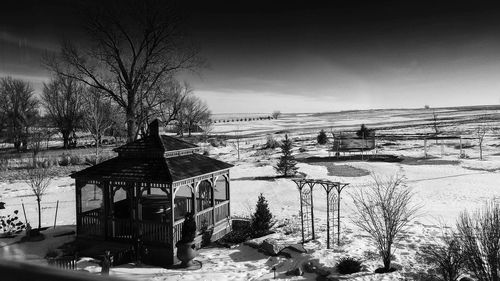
(165,103)
(480,133)
(63,100)
(384,209)
(480,239)
(194,111)
(136,45)
(35,144)
(97,116)
(38,180)
(19,109)
(207,126)
(276,114)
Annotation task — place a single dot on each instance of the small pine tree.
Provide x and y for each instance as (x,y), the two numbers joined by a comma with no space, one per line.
(322,138)
(287,163)
(262,218)
(363,132)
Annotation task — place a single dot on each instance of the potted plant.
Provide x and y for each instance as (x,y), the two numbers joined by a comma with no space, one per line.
(186,248)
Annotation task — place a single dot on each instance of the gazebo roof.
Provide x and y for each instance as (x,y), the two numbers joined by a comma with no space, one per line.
(155,158)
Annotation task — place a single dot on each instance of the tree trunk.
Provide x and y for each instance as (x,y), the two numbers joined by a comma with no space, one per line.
(131,125)
(65,135)
(39,213)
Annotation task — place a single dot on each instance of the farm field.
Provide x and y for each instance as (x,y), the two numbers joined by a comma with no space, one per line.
(444,185)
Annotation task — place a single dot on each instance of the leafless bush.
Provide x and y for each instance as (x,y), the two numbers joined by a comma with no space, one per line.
(445,256)
(384,209)
(480,239)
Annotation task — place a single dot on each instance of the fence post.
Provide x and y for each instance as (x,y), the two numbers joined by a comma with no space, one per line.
(55,217)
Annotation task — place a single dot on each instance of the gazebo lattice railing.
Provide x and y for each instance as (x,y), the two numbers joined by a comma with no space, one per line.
(305,187)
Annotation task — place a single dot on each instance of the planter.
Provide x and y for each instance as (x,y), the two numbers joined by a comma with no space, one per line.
(186,252)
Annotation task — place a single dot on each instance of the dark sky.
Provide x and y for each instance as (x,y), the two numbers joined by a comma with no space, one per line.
(304,56)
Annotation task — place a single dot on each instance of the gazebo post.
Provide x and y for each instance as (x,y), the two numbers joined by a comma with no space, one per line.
(212,183)
(78,198)
(172,221)
(105,191)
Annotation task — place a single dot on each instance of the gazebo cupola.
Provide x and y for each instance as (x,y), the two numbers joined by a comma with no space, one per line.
(146,191)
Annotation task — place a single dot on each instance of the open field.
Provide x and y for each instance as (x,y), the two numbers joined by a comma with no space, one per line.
(444,185)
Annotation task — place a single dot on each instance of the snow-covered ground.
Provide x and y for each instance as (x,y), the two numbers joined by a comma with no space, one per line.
(444,186)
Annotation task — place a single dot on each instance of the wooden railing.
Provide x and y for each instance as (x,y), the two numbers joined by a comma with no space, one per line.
(67,262)
(155,232)
(91,223)
(204,218)
(120,229)
(221,211)
(177,231)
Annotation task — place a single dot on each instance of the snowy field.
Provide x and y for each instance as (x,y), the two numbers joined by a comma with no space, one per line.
(444,186)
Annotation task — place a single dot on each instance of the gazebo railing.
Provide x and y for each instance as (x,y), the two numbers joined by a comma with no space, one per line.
(155,232)
(91,223)
(221,211)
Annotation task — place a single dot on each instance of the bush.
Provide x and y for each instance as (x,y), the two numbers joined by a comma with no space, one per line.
(11,224)
(262,218)
(237,236)
(348,265)
(479,234)
(271,142)
(446,257)
(65,160)
(75,160)
(322,138)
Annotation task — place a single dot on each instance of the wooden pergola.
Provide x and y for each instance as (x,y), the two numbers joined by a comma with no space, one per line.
(145,192)
(307,198)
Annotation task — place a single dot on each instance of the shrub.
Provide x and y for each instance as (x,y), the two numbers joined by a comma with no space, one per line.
(480,241)
(262,218)
(237,236)
(384,209)
(348,265)
(446,257)
(11,224)
(65,160)
(322,138)
(271,142)
(75,160)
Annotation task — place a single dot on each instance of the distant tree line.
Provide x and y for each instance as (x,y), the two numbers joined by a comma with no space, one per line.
(67,105)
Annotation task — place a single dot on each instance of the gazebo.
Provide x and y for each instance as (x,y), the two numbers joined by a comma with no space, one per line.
(145,192)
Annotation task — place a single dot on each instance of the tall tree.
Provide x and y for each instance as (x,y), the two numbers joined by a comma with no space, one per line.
(136,45)
(63,100)
(19,109)
(97,116)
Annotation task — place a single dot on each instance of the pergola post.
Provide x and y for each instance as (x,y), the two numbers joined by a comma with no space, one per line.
(425,147)
(327,189)
(311,185)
